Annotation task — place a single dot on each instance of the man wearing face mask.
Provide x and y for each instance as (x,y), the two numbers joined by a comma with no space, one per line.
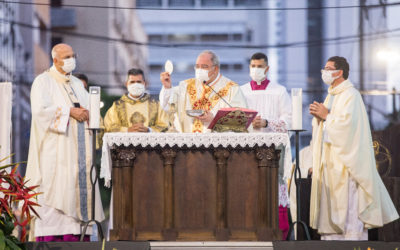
(269,99)
(273,105)
(347,196)
(197,94)
(135,111)
(59,158)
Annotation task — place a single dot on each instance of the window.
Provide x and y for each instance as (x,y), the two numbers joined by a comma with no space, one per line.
(180,38)
(223,66)
(237,66)
(155,38)
(249,35)
(214,37)
(237,37)
(156,67)
(248,3)
(211,3)
(148,3)
(179,3)
(56,3)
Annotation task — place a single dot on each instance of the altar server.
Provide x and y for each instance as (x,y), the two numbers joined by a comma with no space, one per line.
(270,99)
(274,108)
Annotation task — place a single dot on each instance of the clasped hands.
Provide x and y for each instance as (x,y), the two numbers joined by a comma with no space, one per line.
(79,114)
(138,127)
(319,111)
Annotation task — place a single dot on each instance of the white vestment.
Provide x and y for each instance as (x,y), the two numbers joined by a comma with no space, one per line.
(274,105)
(192,94)
(342,153)
(60,155)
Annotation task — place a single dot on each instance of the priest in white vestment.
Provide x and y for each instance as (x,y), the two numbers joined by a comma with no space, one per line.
(273,104)
(60,151)
(347,196)
(198,94)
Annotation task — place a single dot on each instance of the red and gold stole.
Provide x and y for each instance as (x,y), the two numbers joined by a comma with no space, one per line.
(205,102)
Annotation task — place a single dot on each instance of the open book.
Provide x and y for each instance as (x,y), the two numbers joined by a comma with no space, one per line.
(232,119)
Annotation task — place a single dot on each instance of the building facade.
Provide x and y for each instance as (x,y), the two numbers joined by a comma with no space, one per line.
(97,35)
(229,33)
(24,52)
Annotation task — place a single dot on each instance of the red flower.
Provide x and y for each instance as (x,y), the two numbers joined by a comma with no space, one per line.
(13,190)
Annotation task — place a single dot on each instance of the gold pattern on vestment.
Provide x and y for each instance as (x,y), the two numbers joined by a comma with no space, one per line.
(205,102)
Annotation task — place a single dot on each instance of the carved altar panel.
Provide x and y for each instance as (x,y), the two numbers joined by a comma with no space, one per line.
(196,193)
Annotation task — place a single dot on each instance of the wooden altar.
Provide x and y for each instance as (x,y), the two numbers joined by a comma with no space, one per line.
(194,192)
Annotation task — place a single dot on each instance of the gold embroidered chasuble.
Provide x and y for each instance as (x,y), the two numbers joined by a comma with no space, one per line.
(191,94)
(126,111)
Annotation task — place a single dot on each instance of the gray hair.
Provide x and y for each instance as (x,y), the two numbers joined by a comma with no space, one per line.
(53,53)
(214,57)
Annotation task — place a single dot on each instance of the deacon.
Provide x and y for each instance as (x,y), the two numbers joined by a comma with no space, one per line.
(348,196)
(135,111)
(197,94)
(60,151)
(273,105)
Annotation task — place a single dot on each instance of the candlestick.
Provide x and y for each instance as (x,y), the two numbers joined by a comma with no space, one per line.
(297,108)
(94,107)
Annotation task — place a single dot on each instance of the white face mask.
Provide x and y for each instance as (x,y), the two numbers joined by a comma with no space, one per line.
(202,75)
(258,74)
(69,65)
(327,76)
(136,89)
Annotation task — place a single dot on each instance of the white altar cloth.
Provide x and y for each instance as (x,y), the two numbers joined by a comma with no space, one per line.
(192,140)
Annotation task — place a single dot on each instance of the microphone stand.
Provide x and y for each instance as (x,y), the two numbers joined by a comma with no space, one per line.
(204,82)
(85,224)
(297,182)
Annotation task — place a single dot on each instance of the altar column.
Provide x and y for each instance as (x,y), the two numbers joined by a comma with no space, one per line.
(122,174)
(268,190)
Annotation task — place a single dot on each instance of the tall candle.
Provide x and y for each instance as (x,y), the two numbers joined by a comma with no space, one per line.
(297,109)
(94,107)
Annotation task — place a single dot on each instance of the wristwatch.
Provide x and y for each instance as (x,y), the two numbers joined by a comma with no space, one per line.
(266,123)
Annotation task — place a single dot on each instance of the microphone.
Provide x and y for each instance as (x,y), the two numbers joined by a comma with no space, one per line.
(204,82)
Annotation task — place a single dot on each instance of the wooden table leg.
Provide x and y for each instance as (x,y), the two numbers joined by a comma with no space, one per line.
(222,232)
(122,173)
(169,231)
(268,191)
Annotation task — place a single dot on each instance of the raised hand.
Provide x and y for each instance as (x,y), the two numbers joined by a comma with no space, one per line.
(165,79)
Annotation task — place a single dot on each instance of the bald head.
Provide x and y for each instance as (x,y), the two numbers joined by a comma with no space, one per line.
(60,53)
(60,48)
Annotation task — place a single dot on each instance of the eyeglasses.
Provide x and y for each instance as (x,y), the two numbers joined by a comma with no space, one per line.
(202,66)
